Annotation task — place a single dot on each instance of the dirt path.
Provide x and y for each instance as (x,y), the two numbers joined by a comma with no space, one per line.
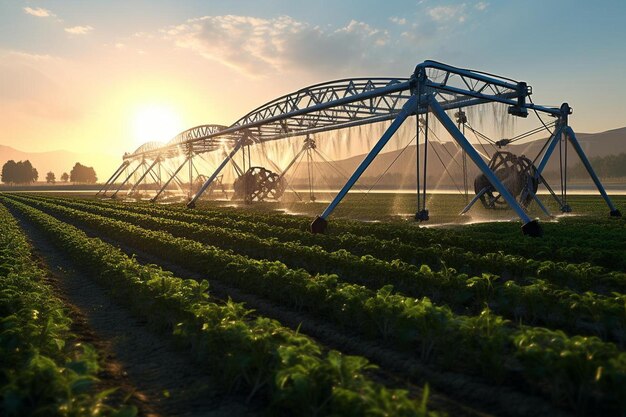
(157,378)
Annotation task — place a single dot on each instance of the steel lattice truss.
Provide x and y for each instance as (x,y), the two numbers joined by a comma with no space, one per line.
(433,87)
(339,104)
(198,139)
(453,89)
(327,106)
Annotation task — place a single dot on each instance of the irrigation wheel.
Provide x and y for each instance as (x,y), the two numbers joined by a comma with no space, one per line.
(258,184)
(517,173)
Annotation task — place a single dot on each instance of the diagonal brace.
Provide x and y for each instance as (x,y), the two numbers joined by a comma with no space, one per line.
(207,183)
(529,227)
(569,133)
(410,107)
(552,142)
(134,187)
(173,176)
(113,178)
(128,178)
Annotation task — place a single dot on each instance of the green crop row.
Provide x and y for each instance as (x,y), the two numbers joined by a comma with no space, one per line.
(535,302)
(459,248)
(43,371)
(257,355)
(579,233)
(570,240)
(577,277)
(573,370)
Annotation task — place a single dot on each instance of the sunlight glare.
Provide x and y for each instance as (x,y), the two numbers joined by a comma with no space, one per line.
(156,123)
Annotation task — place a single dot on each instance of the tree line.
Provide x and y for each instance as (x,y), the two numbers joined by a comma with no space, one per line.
(23,172)
(610,166)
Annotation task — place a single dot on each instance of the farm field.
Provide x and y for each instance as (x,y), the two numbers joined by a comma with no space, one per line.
(239,310)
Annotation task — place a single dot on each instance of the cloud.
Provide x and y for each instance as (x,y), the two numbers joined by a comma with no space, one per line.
(448,13)
(398,20)
(38,11)
(481,5)
(257,46)
(79,30)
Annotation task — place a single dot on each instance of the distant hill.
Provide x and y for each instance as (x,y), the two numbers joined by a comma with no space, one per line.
(60,161)
(611,142)
(402,172)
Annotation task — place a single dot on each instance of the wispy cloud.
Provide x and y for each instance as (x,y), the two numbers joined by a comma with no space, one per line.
(398,20)
(481,5)
(38,11)
(79,30)
(255,46)
(448,13)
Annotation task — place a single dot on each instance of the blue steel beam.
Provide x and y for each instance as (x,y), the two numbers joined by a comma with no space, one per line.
(207,183)
(409,108)
(147,171)
(350,102)
(127,178)
(345,103)
(569,133)
(174,174)
(113,178)
(474,75)
(530,227)
(552,142)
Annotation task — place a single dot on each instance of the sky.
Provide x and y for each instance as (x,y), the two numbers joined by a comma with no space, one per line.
(106,76)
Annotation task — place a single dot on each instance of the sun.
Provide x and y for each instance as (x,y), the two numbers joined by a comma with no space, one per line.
(156,122)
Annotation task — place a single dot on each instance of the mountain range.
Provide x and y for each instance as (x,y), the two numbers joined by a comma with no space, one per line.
(399,165)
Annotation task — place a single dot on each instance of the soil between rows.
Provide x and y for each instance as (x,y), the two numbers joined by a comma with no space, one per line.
(156,377)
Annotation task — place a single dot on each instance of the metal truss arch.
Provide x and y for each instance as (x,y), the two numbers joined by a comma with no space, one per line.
(433,87)
(145,149)
(326,106)
(201,138)
(196,133)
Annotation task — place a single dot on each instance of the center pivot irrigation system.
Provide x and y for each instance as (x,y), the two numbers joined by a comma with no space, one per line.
(433,89)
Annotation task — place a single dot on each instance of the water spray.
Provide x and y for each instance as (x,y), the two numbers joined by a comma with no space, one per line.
(432,89)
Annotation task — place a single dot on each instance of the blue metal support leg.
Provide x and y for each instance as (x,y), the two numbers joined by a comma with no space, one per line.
(569,133)
(474,200)
(529,227)
(409,108)
(170,179)
(553,141)
(207,183)
(293,161)
(127,178)
(134,187)
(541,206)
(113,178)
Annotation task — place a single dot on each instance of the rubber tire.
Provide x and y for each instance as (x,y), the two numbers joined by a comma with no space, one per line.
(532,229)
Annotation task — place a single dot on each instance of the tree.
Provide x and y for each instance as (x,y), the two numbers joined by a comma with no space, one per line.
(50,178)
(81,173)
(65,177)
(21,172)
(34,175)
(9,171)
(609,166)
